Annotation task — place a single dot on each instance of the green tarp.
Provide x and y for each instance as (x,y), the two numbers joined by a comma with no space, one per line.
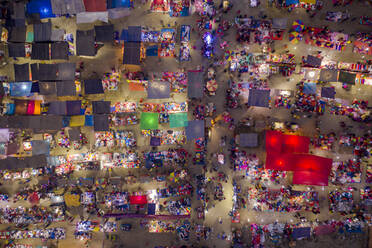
(178,120)
(30,37)
(149,121)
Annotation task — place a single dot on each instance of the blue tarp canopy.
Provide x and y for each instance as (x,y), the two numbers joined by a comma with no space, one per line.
(309,88)
(301,232)
(151,208)
(93,86)
(346,77)
(85,43)
(20,89)
(101,107)
(40,147)
(152,163)
(111,4)
(195,129)
(134,33)
(57,108)
(259,98)
(290,2)
(124,35)
(10,109)
(155,141)
(101,123)
(16,50)
(104,33)
(353,229)
(152,51)
(158,90)
(66,121)
(313,61)
(132,53)
(328,92)
(73,107)
(21,72)
(248,139)
(89,120)
(327,75)
(195,84)
(42,7)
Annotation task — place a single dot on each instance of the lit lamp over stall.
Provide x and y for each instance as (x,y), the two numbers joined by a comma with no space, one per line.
(208,45)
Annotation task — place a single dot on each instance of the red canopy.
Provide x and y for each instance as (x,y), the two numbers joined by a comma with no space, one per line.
(95,5)
(284,143)
(324,229)
(278,162)
(138,199)
(311,163)
(34,198)
(273,141)
(298,162)
(295,144)
(310,178)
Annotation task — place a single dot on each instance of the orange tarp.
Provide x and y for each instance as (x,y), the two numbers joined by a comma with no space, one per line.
(136,86)
(308,1)
(37,109)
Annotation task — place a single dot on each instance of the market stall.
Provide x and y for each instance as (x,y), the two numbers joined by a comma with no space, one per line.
(110,81)
(167,107)
(179,8)
(179,207)
(167,42)
(84,229)
(357,111)
(279,25)
(88,198)
(341,201)
(160,5)
(346,172)
(324,142)
(104,139)
(160,226)
(167,137)
(45,234)
(117,200)
(177,80)
(125,139)
(283,200)
(150,36)
(337,16)
(127,159)
(123,119)
(369,174)
(325,38)
(34,215)
(204,7)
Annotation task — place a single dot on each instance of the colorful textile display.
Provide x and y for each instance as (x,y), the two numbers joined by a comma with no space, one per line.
(340,201)
(346,172)
(110,81)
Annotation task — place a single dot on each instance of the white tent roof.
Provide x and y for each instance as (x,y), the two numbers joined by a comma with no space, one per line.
(89,17)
